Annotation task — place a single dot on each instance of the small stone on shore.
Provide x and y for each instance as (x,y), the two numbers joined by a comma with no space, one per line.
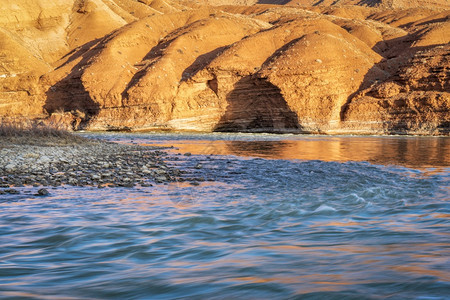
(42,192)
(11,191)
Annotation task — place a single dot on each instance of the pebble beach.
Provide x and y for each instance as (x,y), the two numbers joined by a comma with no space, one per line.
(97,163)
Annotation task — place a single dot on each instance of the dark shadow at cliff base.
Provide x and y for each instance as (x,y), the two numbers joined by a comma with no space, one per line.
(69,94)
(256,105)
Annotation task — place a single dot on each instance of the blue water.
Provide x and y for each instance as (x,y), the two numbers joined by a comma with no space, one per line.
(277,217)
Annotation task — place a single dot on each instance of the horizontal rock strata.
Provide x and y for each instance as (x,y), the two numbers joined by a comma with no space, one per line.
(290,66)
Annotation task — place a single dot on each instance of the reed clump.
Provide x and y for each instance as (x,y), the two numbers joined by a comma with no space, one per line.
(35,132)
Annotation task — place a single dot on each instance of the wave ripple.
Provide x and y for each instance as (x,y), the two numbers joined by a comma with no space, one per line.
(263,228)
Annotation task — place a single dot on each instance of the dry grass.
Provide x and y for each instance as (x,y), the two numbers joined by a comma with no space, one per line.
(36,133)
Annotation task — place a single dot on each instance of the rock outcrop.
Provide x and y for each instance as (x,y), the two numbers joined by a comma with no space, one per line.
(180,65)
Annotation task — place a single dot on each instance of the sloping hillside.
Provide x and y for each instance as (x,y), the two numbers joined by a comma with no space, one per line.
(228,65)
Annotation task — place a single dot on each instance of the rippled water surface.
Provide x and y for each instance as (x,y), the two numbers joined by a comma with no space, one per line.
(282,217)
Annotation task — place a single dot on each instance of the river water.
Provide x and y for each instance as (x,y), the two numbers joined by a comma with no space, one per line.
(276,217)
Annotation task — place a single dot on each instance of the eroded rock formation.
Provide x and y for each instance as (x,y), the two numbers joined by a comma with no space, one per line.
(183,65)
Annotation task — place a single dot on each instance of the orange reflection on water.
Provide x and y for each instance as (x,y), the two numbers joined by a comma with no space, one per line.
(423,271)
(28,295)
(309,282)
(341,224)
(322,279)
(332,250)
(290,279)
(418,152)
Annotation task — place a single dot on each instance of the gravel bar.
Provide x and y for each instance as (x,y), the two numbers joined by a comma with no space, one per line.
(100,164)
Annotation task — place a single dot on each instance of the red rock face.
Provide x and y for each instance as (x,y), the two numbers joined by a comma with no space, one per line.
(273,68)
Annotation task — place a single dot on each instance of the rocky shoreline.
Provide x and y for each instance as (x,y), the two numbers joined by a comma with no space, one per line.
(94,163)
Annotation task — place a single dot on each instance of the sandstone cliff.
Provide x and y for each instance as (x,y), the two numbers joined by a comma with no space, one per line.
(184,65)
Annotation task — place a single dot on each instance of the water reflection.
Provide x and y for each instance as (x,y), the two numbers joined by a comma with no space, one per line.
(410,152)
(416,152)
(281,229)
(270,149)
